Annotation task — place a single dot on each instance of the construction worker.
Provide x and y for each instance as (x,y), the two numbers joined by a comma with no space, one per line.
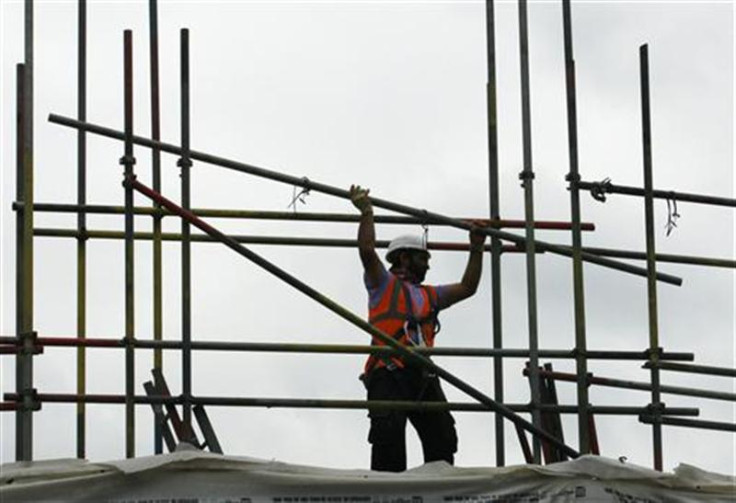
(405,309)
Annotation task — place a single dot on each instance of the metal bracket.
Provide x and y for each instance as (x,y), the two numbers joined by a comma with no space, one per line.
(29,400)
(128,180)
(657,352)
(27,342)
(184,162)
(127,160)
(654,413)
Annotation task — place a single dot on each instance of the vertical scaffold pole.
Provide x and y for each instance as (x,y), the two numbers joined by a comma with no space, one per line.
(527,177)
(19,216)
(573,178)
(23,370)
(494,196)
(24,361)
(156,173)
(129,161)
(651,256)
(185,164)
(81,226)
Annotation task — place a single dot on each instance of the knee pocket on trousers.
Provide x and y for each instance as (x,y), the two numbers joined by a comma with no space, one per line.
(451,433)
(445,434)
(386,428)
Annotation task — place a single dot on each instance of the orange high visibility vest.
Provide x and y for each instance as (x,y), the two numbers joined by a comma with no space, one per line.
(394,311)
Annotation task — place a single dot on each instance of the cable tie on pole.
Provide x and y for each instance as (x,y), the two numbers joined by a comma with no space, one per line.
(599,190)
(672,214)
(573,178)
(301,196)
(425,230)
(184,162)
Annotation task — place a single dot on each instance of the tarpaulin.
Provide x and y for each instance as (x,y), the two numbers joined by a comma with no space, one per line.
(197,477)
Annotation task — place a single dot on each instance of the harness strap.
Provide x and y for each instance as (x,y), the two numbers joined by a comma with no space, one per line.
(393,312)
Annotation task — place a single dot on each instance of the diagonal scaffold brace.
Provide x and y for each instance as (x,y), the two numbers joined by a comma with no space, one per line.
(424,215)
(346,314)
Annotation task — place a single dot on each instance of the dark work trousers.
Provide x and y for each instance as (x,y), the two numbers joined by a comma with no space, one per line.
(436,429)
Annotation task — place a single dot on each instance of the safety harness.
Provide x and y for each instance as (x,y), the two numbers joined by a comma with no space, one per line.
(410,331)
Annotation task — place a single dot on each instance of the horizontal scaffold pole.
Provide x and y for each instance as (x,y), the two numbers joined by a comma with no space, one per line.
(694,369)
(642,386)
(424,215)
(287,215)
(293,347)
(320,403)
(352,243)
(349,316)
(689,423)
(598,189)
(253,240)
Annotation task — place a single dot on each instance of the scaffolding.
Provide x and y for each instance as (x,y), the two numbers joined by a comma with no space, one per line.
(26,344)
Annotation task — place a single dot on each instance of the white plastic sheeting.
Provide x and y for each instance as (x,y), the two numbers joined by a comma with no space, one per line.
(194,476)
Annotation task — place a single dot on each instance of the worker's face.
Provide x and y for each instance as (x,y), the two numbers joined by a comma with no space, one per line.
(417,265)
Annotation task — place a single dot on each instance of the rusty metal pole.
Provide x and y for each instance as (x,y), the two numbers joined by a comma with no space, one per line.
(82,225)
(129,161)
(157,216)
(573,178)
(297,217)
(494,196)
(185,164)
(651,251)
(527,177)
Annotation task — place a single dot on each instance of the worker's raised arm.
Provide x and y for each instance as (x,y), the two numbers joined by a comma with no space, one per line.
(367,235)
(471,277)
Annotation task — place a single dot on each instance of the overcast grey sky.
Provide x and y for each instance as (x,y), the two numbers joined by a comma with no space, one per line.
(390,95)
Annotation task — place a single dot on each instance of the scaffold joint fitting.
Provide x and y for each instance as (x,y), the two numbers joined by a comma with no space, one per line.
(127,160)
(573,178)
(526,175)
(184,162)
(654,354)
(27,342)
(654,412)
(128,180)
(28,400)
(588,379)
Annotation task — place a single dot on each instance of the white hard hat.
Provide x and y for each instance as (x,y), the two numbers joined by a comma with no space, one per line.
(406,242)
